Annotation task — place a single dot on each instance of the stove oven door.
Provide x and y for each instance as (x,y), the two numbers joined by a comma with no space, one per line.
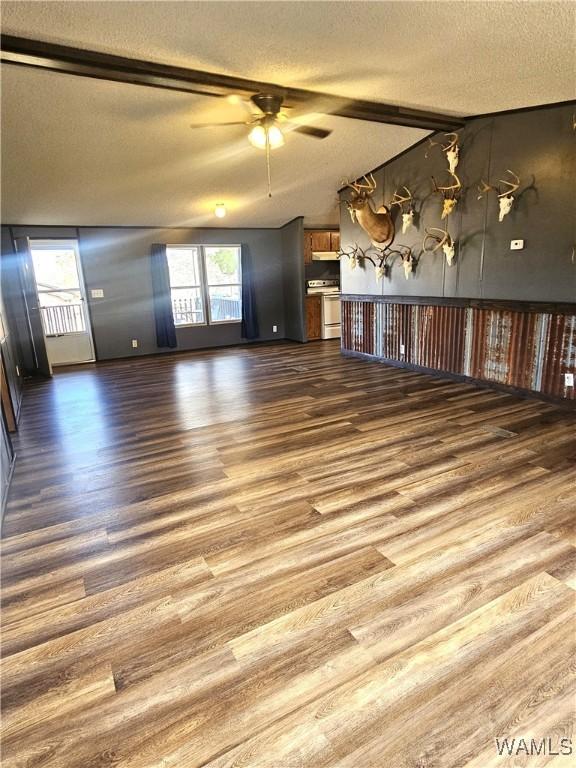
(331,316)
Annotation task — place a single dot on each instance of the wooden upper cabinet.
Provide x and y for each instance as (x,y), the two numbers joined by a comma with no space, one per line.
(321,241)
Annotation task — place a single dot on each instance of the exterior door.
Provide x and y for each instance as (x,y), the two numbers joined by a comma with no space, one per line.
(32,309)
(62,301)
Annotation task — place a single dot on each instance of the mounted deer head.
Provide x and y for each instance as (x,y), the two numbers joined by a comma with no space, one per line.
(505,196)
(450,194)
(401,201)
(378,225)
(451,150)
(441,239)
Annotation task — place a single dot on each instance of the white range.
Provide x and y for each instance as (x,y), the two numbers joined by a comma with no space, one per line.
(330,292)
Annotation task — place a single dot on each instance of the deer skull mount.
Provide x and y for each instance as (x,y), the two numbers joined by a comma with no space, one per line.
(378,225)
(355,255)
(440,238)
(401,201)
(380,258)
(408,264)
(382,265)
(451,150)
(450,194)
(505,195)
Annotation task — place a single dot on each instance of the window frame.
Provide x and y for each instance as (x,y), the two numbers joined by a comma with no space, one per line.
(222,285)
(204,286)
(200,286)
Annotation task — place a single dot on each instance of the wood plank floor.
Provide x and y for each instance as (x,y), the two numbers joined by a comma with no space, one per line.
(276,556)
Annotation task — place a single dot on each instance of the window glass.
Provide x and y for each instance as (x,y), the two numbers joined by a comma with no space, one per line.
(186,285)
(225,303)
(187,306)
(184,267)
(222,265)
(54,268)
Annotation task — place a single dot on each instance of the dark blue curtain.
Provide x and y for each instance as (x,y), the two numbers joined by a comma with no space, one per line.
(249,318)
(165,329)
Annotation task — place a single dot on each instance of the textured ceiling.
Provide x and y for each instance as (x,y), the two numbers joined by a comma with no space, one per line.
(81,151)
(89,152)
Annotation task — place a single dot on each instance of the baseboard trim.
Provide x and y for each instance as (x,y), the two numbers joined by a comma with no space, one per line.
(7,491)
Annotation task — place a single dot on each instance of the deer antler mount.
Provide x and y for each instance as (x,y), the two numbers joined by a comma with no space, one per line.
(378,225)
(451,150)
(450,194)
(436,238)
(402,200)
(505,193)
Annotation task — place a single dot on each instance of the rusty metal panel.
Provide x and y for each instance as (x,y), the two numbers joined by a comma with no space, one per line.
(527,350)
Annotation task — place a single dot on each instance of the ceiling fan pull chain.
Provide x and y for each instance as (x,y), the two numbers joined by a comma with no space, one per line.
(268,164)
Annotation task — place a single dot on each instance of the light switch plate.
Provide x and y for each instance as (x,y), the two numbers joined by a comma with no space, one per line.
(516,245)
(97,293)
(569,379)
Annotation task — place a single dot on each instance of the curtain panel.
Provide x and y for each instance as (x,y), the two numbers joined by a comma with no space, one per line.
(165,328)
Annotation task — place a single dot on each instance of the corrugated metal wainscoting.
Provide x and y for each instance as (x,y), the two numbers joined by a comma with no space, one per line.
(519,347)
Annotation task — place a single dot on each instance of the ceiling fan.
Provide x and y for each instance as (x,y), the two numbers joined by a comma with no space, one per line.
(265,132)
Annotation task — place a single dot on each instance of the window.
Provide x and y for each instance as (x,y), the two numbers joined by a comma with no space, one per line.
(224,283)
(186,286)
(206,284)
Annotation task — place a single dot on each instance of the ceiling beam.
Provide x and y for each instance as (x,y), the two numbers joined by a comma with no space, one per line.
(103,66)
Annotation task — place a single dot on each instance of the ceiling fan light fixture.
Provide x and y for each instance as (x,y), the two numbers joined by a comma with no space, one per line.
(220,210)
(257,136)
(275,136)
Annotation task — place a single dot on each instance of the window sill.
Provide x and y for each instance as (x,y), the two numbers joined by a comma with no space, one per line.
(208,325)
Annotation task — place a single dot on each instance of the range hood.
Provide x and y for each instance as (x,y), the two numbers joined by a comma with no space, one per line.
(324,255)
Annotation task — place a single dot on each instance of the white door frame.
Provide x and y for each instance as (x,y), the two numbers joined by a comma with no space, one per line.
(66,242)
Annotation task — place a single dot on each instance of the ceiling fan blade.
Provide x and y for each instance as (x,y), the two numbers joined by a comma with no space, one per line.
(217,125)
(311,130)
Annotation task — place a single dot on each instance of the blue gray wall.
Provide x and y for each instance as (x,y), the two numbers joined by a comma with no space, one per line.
(539,146)
(117,260)
(293,279)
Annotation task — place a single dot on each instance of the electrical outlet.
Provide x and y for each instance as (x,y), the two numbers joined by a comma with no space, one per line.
(568,379)
(274,329)
(516,245)
(402,349)
(135,343)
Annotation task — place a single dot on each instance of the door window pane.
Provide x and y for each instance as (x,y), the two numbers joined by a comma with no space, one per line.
(55,268)
(225,303)
(58,285)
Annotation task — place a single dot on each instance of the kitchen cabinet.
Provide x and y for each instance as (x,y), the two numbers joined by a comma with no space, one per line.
(313,317)
(319,240)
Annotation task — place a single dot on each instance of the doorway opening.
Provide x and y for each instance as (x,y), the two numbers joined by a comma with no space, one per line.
(62,301)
